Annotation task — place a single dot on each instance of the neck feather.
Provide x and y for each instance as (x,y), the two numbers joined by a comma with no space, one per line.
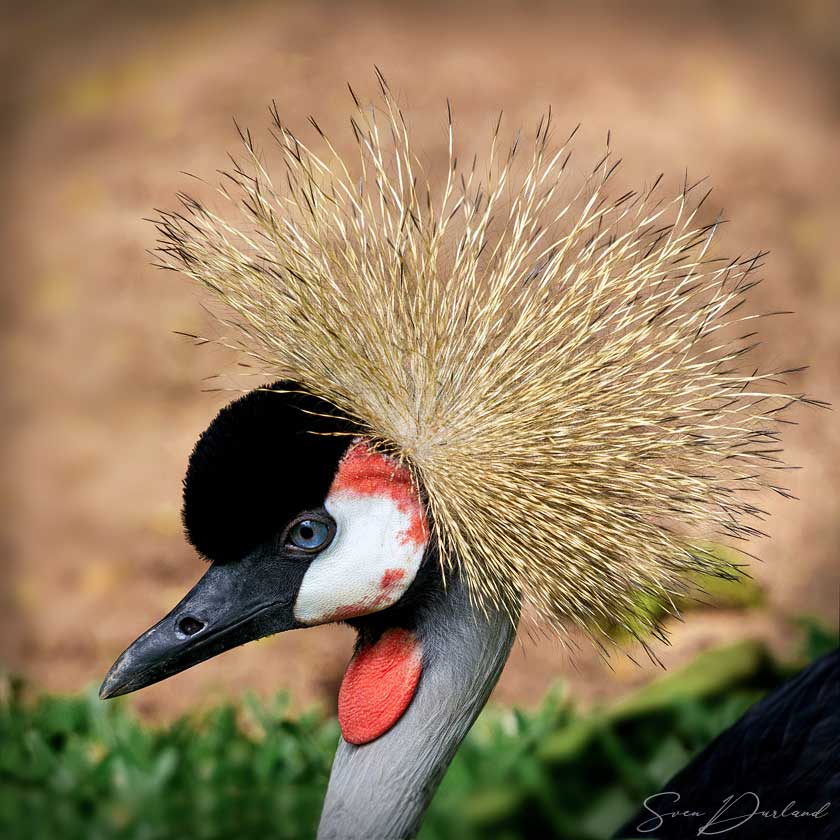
(380,790)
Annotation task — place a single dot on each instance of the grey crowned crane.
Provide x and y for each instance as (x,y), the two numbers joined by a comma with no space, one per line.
(305,525)
(498,393)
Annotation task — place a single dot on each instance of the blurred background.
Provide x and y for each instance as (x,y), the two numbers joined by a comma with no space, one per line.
(104,109)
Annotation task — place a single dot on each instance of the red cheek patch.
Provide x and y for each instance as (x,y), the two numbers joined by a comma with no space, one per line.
(369,473)
(378,685)
(390,579)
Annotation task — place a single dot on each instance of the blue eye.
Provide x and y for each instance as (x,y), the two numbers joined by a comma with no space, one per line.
(310,534)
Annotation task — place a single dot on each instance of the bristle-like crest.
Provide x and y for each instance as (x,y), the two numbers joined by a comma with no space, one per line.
(564,370)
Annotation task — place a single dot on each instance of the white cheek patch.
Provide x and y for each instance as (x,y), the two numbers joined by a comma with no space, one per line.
(380,539)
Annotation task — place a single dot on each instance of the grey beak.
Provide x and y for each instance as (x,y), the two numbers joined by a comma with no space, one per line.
(232,604)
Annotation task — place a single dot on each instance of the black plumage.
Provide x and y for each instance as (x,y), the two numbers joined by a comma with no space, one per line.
(265,458)
(782,758)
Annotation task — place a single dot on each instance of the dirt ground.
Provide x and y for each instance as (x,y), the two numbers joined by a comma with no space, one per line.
(104,110)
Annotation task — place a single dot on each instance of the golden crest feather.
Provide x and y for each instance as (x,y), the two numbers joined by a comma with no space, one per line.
(562,369)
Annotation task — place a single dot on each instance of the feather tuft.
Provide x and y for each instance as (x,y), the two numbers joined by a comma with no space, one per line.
(564,370)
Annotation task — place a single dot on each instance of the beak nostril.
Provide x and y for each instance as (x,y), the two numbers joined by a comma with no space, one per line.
(189,626)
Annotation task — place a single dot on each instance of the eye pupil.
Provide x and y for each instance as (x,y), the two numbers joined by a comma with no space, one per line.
(309,534)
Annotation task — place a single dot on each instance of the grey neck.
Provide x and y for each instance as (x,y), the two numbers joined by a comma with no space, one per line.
(380,791)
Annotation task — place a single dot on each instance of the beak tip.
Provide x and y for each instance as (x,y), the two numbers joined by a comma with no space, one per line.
(106,690)
(113,684)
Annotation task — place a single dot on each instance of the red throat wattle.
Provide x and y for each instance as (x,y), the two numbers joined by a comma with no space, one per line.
(378,686)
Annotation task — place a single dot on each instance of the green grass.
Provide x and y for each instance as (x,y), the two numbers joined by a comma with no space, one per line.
(74,767)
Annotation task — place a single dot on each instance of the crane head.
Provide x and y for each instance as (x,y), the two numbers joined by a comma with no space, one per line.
(303,523)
